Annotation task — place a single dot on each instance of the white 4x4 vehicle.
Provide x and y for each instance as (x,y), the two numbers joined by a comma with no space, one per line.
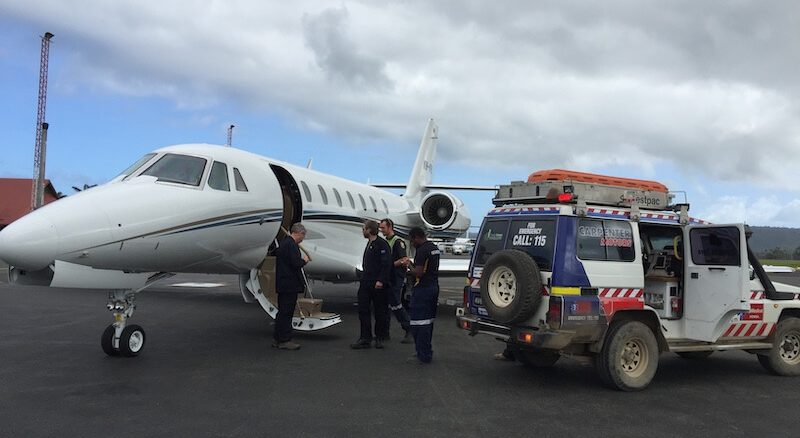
(584,265)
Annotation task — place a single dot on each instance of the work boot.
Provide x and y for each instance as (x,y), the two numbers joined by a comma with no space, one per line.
(288,345)
(379,344)
(361,344)
(408,338)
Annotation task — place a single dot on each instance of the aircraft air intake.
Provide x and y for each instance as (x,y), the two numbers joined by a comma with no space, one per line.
(442,211)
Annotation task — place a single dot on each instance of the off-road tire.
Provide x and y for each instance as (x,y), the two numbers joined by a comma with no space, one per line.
(511,286)
(694,355)
(629,358)
(537,358)
(783,359)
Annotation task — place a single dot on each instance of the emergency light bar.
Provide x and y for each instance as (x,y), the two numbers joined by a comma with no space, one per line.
(564,186)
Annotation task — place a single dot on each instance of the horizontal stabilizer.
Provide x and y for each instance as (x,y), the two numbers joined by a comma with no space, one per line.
(439,187)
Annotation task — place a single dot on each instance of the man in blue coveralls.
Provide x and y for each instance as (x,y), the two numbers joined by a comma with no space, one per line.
(424,295)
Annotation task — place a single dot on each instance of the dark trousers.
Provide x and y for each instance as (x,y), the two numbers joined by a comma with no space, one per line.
(423,312)
(283,320)
(370,299)
(396,305)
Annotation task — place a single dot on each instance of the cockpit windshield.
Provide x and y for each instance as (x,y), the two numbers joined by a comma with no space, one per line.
(135,166)
(174,168)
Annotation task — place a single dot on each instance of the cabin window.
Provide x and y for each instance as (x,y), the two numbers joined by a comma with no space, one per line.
(218,180)
(240,185)
(385,207)
(323,194)
(352,203)
(306,191)
(180,169)
(374,207)
(338,198)
(363,204)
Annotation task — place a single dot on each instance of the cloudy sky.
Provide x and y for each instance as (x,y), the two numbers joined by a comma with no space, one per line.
(702,96)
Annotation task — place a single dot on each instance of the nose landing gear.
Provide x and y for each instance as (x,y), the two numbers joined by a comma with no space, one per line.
(120,338)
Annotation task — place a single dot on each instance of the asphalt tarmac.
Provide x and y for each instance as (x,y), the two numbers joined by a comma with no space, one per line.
(208,370)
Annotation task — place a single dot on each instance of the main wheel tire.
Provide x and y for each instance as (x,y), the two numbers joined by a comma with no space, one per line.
(131,341)
(511,286)
(629,357)
(107,341)
(783,358)
(537,358)
(694,355)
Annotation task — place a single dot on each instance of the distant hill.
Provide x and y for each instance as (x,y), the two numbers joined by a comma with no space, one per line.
(766,239)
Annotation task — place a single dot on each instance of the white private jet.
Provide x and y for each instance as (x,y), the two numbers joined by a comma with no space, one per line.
(214,209)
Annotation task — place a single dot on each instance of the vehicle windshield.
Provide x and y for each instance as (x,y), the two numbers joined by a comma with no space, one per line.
(181,169)
(135,166)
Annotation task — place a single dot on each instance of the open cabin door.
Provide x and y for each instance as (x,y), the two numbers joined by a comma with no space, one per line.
(716,278)
(292,201)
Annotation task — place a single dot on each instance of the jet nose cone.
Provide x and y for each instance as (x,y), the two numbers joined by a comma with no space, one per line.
(30,242)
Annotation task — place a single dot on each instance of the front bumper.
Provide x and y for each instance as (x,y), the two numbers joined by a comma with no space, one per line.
(522,336)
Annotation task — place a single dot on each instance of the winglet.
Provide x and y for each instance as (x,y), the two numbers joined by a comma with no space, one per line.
(422,172)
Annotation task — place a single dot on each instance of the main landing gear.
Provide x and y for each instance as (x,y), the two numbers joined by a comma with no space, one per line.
(119,338)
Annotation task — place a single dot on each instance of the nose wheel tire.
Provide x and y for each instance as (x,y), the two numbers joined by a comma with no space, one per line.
(131,341)
(784,357)
(107,341)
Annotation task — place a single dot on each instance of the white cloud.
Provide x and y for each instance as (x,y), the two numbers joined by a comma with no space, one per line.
(768,210)
(709,89)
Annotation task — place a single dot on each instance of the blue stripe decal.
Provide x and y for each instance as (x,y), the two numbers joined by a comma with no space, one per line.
(567,269)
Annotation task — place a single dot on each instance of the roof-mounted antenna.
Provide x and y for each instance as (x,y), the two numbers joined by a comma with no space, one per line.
(230,135)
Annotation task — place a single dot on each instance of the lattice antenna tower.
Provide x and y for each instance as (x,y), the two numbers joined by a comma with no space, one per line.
(40,153)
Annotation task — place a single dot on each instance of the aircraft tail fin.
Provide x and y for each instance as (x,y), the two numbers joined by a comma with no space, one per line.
(422,172)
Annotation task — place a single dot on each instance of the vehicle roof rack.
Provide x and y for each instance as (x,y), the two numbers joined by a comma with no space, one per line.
(570,187)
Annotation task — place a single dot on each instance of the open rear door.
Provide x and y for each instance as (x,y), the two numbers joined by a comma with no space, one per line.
(716,278)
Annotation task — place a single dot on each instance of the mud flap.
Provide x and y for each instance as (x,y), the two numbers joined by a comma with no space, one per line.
(308,315)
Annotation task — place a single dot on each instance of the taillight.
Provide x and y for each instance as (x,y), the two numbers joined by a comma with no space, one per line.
(526,337)
(554,313)
(465,324)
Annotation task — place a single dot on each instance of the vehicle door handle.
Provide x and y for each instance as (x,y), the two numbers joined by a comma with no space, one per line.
(716,269)
(695,275)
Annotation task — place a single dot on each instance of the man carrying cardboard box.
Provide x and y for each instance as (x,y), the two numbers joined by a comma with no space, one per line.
(289,283)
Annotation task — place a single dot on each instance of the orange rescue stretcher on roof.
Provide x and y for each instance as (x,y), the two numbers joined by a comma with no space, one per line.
(592,178)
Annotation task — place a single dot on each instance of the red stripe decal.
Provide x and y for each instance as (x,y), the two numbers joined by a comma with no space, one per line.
(750,330)
(739,330)
(728,332)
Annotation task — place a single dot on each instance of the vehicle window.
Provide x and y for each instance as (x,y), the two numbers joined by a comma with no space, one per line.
(605,240)
(385,207)
(374,207)
(306,191)
(363,204)
(135,166)
(535,237)
(715,246)
(338,198)
(181,169)
(491,240)
(323,194)
(240,185)
(218,180)
(352,203)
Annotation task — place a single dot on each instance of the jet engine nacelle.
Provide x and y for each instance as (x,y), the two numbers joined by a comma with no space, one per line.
(443,211)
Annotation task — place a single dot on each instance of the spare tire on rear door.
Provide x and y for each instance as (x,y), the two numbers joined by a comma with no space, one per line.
(511,286)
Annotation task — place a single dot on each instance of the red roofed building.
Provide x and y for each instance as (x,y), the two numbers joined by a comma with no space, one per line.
(15,198)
